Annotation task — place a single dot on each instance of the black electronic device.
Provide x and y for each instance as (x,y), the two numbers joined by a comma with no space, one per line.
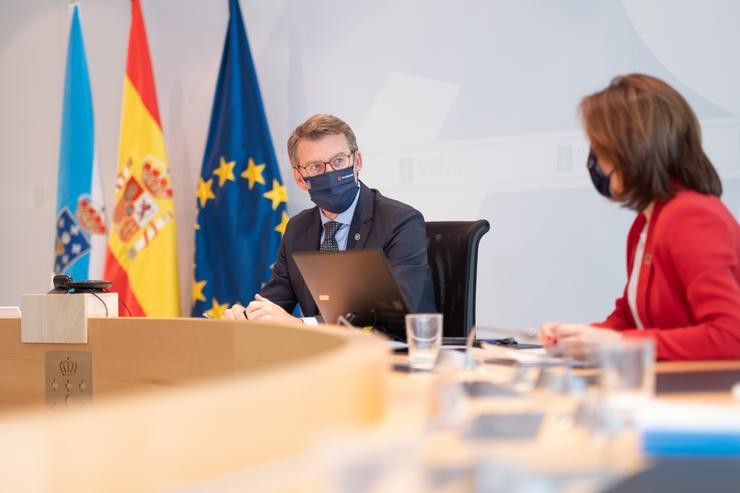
(64,283)
(355,284)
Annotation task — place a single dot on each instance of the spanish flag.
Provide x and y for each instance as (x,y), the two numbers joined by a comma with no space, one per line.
(141,258)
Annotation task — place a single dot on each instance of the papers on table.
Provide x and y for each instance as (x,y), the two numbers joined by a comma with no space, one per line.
(676,428)
(393,345)
(690,416)
(494,353)
(526,335)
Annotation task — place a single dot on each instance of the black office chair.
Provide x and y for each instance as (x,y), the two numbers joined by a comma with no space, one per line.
(452,247)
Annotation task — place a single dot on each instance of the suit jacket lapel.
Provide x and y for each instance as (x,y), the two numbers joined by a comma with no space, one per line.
(310,241)
(362,219)
(646,270)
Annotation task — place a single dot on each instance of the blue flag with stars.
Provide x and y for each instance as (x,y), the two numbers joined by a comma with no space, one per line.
(240,198)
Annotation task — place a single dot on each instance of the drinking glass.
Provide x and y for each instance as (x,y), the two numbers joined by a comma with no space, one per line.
(627,377)
(424,338)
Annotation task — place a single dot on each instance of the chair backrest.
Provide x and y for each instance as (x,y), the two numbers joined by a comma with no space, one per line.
(452,248)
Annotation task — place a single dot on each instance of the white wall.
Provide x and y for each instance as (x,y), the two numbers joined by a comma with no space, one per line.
(463,109)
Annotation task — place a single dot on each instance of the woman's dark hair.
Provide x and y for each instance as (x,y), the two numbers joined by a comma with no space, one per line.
(648,131)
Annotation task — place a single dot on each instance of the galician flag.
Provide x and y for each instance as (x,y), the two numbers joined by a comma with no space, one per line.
(141,259)
(79,245)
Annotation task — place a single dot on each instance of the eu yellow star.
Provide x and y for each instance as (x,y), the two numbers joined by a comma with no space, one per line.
(198,290)
(225,171)
(204,191)
(253,173)
(280,228)
(278,194)
(217,309)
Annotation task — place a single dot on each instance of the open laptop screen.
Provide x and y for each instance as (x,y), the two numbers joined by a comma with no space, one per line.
(355,283)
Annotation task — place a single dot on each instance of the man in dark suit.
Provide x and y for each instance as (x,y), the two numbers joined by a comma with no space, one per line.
(326,163)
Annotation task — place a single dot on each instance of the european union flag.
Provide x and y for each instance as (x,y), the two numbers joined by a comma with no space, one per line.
(241,199)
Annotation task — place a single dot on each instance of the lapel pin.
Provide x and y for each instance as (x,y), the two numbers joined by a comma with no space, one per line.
(357,236)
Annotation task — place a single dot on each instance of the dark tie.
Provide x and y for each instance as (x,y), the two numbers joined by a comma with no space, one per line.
(329,243)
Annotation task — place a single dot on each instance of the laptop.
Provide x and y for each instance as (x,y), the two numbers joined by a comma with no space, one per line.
(356,284)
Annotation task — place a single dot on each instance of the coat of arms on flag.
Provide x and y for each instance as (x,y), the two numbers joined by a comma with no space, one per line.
(137,208)
(71,243)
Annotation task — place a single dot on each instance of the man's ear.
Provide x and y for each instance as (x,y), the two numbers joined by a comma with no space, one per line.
(299,180)
(358,161)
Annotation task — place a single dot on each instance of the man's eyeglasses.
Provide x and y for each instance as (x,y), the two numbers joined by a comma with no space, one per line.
(340,161)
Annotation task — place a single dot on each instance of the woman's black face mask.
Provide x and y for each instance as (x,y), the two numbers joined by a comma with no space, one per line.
(598,178)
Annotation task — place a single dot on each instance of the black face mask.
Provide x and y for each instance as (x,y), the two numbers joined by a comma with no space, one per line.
(598,178)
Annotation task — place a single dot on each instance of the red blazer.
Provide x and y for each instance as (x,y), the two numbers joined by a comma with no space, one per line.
(688,294)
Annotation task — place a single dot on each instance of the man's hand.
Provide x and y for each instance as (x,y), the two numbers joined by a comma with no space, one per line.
(264,309)
(236,312)
(573,339)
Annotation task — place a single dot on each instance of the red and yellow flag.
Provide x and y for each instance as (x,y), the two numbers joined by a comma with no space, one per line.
(141,258)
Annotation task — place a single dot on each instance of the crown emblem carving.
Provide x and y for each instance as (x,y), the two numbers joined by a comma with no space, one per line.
(68,367)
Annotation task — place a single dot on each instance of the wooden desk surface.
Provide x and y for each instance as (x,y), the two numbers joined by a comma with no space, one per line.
(422,440)
(691,366)
(183,400)
(280,406)
(585,460)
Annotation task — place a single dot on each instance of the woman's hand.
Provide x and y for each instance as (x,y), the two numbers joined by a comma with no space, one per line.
(574,340)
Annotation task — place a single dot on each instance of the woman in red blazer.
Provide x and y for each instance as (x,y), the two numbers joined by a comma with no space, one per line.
(683,250)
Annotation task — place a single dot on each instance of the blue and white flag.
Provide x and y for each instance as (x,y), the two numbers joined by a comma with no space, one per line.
(79,246)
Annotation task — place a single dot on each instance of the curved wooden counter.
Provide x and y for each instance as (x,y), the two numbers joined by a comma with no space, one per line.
(180,400)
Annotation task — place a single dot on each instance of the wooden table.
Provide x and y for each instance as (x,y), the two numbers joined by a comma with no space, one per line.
(564,452)
(229,406)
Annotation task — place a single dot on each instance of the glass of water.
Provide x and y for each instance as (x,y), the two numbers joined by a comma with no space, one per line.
(627,377)
(424,338)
